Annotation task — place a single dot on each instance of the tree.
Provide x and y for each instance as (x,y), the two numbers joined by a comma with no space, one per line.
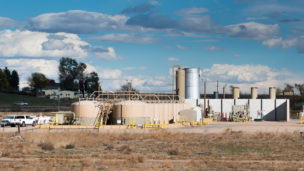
(300,88)
(14,81)
(92,82)
(3,80)
(38,81)
(288,88)
(279,91)
(70,73)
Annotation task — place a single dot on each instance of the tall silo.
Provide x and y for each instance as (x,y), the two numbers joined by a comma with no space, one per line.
(254,92)
(272,92)
(192,83)
(180,83)
(236,92)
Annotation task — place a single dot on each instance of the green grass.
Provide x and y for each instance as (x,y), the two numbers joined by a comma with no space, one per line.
(11,99)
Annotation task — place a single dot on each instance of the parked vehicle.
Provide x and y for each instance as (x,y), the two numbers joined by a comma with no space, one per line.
(21,103)
(23,120)
(5,123)
(7,120)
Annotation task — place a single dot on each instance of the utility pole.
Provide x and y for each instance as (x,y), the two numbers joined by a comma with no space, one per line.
(217,86)
(205,87)
(224,91)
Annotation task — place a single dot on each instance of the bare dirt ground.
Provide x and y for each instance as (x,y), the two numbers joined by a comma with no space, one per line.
(218,146)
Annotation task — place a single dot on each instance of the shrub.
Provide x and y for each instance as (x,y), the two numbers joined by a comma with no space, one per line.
(69,146)
(46,146)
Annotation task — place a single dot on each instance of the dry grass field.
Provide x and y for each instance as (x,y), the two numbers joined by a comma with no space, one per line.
(155,150)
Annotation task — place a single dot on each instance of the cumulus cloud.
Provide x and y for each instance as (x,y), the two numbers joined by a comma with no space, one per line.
(76,21)
(246,76)
(25,67)
(38,44)
(297,42)
(7,22)
(173,59)
(125,38)
(253,30)
(109,73)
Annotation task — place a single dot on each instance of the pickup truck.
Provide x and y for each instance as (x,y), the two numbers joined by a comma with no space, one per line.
(7,120)
(23,120)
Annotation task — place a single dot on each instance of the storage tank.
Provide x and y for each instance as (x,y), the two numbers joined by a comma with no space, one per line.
(180,83)
(192,76)
(254,92)
(236,92)
(86,111)
(272,92)
(127,112)
(215,94)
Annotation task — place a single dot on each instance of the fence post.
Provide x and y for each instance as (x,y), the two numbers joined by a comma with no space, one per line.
(18,129)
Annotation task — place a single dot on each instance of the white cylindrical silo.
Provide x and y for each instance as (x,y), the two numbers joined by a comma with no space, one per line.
(192,76)
(254,92)
(272,92)
(236,92)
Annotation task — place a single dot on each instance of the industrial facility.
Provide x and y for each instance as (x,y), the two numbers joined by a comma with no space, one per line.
(184,104)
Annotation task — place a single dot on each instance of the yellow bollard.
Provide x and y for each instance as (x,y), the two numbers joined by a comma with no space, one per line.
(298,115)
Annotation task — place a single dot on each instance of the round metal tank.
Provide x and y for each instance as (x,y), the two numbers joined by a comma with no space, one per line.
(236,92)
(254,92)
(192,83)
(180,83)
(86,111)
(130,111)
(272,92)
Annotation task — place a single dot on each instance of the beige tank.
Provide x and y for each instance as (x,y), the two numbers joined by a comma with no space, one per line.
(86,111)
(140,113)
(130,111)
(236,92)
(254,92)
(180,83)
(272,92)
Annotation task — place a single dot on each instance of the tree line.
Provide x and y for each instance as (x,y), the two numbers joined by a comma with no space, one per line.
(9,80)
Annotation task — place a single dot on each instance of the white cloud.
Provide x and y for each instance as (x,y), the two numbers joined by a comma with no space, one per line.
(253,30)
(213,48)
(180,47)
(125,38)
(272,42)
(25,67)
(26,43)
(109,73)
(36,44)
(76,21)
(109,55)
(173,59)
(297,42)
(7,22)
(246,76)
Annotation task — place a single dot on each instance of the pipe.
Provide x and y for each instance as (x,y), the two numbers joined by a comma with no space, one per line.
(173,76)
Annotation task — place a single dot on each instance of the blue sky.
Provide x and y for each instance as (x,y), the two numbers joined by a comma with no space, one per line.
(239,42)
